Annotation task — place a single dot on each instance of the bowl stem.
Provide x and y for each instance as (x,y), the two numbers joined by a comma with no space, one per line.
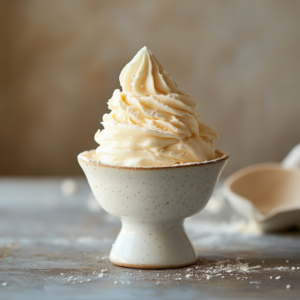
(154,245)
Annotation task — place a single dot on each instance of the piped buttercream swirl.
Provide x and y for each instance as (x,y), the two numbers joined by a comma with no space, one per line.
(151,122)
(145,76)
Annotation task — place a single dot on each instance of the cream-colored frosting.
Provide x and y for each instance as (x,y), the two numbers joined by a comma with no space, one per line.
(151,122)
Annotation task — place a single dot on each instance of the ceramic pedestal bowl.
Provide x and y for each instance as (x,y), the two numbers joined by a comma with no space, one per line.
(152,203)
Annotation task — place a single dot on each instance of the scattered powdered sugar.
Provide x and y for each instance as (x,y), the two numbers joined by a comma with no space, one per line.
(253,268)
(205,270)
(204,233)
(280,268)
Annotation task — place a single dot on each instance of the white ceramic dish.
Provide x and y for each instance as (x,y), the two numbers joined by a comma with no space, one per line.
(268,193)
(152,204)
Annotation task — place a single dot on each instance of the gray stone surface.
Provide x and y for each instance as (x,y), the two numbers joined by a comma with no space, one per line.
(54,245)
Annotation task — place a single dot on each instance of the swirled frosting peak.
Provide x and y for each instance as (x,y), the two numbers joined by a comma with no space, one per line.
(151,122)
(144,75)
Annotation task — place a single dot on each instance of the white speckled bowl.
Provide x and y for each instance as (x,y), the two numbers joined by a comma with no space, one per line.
(152,203)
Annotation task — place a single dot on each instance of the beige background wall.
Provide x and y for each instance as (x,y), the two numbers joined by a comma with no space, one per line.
(60,61)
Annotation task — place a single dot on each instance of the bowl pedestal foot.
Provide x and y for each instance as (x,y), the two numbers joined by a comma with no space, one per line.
(151,245)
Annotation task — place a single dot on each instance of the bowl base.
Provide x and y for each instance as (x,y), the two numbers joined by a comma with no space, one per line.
(132,266)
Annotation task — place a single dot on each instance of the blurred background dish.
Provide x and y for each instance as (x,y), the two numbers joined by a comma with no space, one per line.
(268,194)
(60,62)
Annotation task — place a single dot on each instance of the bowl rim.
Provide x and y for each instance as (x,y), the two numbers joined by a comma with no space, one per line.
(223,157)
